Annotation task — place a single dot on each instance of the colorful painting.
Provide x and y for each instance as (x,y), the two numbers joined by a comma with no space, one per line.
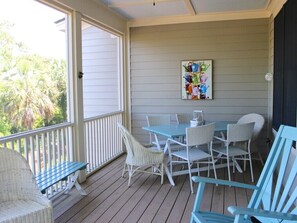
(196,79)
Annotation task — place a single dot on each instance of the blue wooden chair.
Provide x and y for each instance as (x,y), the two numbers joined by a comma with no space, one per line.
(274,197)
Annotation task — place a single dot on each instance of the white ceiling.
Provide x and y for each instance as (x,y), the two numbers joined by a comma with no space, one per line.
(135,10)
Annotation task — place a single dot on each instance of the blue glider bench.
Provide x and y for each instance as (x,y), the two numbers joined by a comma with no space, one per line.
(61,172)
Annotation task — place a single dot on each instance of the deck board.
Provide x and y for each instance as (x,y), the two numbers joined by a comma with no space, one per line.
(217,195)
(178,209)
(143,204)
(169,201)
(110,200)
(155,204)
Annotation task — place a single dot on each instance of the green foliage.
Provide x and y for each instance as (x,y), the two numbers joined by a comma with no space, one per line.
(4,125)
(32,87)
(7,44)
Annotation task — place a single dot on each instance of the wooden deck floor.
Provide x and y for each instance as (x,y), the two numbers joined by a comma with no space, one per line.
(110,200)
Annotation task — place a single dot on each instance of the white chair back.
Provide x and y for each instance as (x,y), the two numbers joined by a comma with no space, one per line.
(194,150)
(200,135)
(153,120)
(239,132)
(127,138)
(183,118)
(257,119)
(158,120)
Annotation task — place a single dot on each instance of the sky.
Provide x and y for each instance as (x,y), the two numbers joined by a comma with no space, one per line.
(34,25)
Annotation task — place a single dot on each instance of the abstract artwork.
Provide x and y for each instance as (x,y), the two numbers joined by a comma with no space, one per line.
(196,79)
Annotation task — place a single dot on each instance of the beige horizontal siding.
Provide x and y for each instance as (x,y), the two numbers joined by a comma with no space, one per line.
(219,94)
(240,53)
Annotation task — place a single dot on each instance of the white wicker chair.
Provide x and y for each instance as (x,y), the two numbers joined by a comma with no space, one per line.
(140,157)
(20,199)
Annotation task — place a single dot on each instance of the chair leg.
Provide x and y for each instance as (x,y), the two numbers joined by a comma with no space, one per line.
(228,166)
(208,167)
(233,168)
(170,162)
(162,173)
(190,176)
(123,172)
(130,171)
(219,156)
(251,166)
(260,158)
(214,167)
(192,219)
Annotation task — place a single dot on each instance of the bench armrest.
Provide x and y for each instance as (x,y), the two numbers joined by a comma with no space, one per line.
(197,179)
(202,182)
(261,213)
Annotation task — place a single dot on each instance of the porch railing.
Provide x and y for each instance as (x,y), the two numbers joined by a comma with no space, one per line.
(103,141)
(42,147)
(48,146)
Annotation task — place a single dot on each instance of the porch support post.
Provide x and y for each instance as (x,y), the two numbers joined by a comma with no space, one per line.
(77,87)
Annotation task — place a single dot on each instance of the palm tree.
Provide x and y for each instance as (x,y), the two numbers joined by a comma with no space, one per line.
(31,87)
(27,95)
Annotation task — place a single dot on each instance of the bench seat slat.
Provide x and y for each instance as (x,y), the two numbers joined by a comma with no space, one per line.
(52,170)
(57,173)
(58,168)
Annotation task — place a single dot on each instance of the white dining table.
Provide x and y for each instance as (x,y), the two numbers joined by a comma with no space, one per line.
(179,130)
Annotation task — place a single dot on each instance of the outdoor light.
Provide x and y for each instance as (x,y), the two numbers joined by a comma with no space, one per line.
(268,76)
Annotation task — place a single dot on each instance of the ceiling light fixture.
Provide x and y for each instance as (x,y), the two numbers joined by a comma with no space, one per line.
(154,3)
